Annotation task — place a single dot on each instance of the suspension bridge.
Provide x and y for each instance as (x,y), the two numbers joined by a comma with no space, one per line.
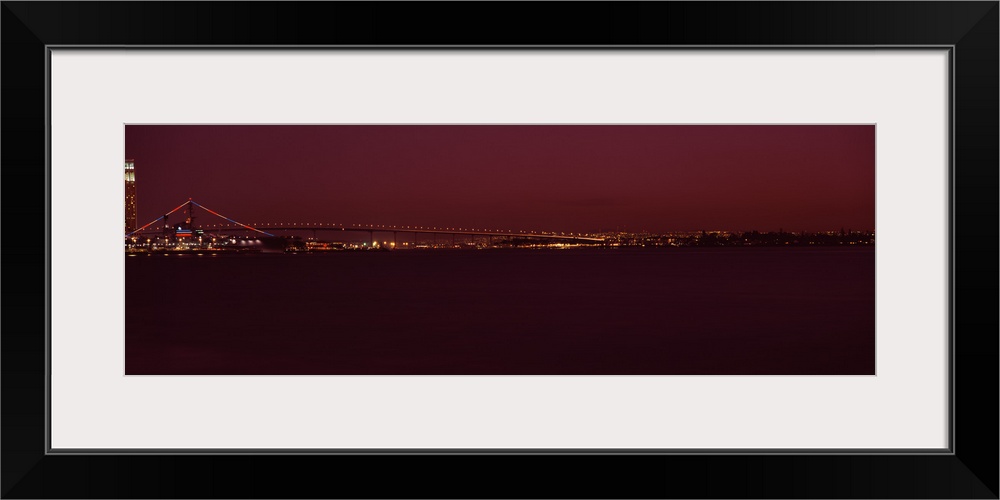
(233,227)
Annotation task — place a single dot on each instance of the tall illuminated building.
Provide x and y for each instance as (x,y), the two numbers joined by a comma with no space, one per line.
(130,210)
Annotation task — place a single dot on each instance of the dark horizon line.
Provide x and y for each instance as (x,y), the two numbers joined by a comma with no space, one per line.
(311,227)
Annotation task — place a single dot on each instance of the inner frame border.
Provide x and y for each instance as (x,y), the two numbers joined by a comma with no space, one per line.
(949,450)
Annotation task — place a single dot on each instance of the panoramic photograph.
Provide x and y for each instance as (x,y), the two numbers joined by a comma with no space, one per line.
(499,249)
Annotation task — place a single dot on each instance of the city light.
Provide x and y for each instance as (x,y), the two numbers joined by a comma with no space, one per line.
(180,238)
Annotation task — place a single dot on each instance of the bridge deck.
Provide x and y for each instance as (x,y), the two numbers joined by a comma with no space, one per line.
(380,229)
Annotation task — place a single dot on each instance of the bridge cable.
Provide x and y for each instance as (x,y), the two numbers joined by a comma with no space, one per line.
(213,212)
(157,219)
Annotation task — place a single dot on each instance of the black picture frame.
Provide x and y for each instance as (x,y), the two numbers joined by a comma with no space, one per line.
(969,470)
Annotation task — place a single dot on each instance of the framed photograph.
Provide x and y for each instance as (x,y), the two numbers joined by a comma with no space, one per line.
(627,285)
(735,251)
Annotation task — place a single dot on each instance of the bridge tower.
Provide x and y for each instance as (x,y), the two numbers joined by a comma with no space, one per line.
(130,207)
(190,219)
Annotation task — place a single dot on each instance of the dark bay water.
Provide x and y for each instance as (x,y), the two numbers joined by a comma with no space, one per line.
(505,311)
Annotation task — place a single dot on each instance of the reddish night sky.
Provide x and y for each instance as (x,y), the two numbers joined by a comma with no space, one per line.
(571,178)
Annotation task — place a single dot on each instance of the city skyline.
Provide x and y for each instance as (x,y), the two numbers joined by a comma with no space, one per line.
(574,178)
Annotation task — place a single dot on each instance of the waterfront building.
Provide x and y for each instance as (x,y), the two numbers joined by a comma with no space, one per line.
(131,214)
